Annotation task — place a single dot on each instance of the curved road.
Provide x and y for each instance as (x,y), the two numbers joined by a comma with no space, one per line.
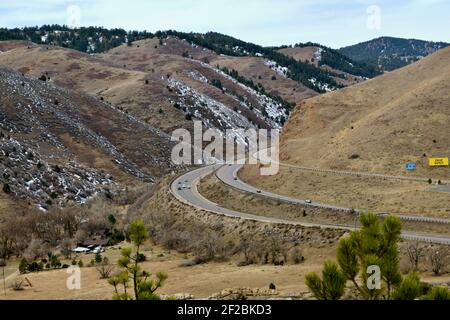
(228,175)
(184,188)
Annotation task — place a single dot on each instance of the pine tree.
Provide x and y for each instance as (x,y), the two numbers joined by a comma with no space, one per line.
(144,286)
(374,245)
(409,289)
(438,293)
(332,284)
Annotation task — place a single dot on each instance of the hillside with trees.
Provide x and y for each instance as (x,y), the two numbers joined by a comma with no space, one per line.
(325,56)
(89,39)
(98,40)
(305,73)
(390,53)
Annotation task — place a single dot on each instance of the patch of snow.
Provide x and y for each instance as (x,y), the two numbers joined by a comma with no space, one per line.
(275,110)
(282,71)
(318,54)
(196,75)
(322,86)
(214,114)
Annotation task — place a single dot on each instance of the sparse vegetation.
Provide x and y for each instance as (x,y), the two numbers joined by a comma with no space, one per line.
(415,253)
(104,268)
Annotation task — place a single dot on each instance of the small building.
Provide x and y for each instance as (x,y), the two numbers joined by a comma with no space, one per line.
(97,242)
(80,250)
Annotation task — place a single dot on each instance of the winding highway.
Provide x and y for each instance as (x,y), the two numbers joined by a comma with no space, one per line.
(184,188)
(228,175)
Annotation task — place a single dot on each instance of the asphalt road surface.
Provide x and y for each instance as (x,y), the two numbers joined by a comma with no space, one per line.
(184,188)
(228,175)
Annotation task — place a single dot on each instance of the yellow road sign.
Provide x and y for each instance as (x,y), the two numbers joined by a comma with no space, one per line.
(438,162)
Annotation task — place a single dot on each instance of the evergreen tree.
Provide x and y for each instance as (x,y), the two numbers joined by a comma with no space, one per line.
(438,293)
(409,289)
(332,284)
(375,244)
(144,286)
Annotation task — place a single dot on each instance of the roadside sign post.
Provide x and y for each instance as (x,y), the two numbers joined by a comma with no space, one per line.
(438,162)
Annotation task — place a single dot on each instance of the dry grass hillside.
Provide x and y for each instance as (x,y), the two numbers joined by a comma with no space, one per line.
(155,82)
(379,125)
(10,45)
(304,54)
(75,70)
(151,55)
(167,64)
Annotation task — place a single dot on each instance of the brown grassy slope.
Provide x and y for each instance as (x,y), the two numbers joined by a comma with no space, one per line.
(171,46)
(148,55)
(92,75)
(301,54)
(120,76)
(167,60)
(388,121)
(13,44)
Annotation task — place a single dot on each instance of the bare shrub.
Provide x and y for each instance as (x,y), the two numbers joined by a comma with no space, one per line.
(211,247)
(37,249)
(177,240)
(438,260)
(54,228)
(245,246)
(14,237)
(158,224)
(105,269)
(415,252)
(66,246)
(277,251)
(259,252)
(129,195)
(97,223)
(46,227)
(81,236)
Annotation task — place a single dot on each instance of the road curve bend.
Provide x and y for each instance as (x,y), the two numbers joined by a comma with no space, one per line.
(184,189)
(229,176)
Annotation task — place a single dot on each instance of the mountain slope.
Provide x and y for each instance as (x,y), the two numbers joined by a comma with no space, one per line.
(390,53)
(98,40)
(378,125)
(185,70)
(85,73)
(162,89)
(58,145)
(325,57)
(315,54)
(309,75)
